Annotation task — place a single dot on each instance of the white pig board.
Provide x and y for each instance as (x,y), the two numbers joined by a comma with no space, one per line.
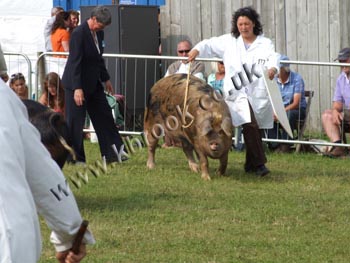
(277,103)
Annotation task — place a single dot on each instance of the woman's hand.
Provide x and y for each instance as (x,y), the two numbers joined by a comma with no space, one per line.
(192,55)
(272,72)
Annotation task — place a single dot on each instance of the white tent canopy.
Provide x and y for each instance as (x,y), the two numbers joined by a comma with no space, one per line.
(22,25)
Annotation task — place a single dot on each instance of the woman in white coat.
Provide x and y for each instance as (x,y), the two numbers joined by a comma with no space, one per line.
(31,183)
(245,53)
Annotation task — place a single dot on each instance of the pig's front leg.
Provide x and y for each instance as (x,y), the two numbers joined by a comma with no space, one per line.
(203,160)
(188,150)
(223,164)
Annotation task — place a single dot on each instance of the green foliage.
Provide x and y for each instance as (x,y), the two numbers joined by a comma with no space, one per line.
(298,213)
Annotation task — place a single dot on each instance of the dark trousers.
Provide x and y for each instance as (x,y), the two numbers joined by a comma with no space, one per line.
(102,119)
(255,155)
(277,132)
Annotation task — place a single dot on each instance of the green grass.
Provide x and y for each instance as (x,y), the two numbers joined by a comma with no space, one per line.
(298,213)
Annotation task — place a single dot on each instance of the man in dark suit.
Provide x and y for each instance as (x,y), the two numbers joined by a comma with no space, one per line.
(82,79)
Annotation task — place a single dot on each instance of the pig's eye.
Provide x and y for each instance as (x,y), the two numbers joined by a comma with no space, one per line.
(222,133)
(210,133)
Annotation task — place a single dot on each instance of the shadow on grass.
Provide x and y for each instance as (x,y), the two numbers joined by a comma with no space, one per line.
(131,202)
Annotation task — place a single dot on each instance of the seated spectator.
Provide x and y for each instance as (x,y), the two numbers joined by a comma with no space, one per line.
(53,93)
(60,33)
(338,118)
(216,80)
(48,27)
(197,67)
(19,86)
(3,68)
(291,86)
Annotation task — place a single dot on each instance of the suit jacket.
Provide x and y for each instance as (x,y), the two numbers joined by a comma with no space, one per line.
(85,67)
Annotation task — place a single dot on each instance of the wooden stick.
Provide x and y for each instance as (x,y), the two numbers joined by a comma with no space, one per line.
(185,107)
(79,237)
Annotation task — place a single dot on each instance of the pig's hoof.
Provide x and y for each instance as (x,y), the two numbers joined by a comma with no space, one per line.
(206,177)
(194,167)
(150,165)
(219,173)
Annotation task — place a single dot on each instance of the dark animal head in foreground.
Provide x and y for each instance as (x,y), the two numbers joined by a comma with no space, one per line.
(53,130)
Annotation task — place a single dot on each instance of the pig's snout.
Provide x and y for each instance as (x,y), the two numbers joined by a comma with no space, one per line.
(214,146)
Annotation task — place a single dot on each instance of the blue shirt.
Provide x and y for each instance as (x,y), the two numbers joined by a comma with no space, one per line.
(294,84)
(342,91)
(216,84)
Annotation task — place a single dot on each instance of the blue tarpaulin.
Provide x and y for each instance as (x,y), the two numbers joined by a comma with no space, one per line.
(75,4)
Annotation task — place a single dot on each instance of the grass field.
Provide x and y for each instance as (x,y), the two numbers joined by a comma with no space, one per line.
(298,213)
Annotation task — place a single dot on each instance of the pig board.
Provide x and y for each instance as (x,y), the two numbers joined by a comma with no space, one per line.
(277,103)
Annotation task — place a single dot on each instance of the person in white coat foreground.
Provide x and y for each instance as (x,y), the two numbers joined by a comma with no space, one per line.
(245,53)
(32,182)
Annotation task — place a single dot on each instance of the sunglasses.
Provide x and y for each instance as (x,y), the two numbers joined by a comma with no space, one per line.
(17,76)
(184,51)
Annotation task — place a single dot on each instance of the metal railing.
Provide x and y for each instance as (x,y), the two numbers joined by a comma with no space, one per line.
(134,75)
(14,62)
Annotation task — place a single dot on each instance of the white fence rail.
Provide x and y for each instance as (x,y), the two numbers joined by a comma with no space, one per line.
(20,63)
(134,75)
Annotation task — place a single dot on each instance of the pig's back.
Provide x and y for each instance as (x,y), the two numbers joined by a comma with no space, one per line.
(169,92)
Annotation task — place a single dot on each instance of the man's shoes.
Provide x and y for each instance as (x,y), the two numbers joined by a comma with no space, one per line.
(123,158)
(261,170)
(77,163)
(336,152)
(249,169)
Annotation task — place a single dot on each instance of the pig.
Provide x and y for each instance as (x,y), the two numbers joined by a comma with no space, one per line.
(53,130)
(206,130)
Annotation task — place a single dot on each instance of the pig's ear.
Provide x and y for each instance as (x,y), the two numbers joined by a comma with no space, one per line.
(227,126)
(205,127)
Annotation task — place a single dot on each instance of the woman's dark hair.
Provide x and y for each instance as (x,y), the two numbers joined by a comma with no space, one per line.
(75,13)
(61,17)
(252,15)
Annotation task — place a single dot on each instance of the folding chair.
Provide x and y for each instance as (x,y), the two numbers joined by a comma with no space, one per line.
(302,123)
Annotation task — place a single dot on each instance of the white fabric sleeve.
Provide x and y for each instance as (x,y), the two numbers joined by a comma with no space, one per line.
(200,75)
(166,73)
(213,47)
(52,195)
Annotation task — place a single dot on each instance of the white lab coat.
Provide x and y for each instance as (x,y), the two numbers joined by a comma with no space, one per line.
(234,54)
(31,182)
